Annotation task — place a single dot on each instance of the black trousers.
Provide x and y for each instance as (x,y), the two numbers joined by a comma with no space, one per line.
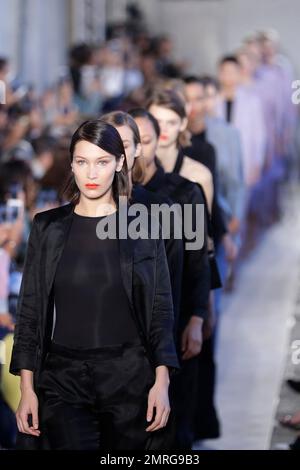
(97,400)
(206,421)
(183,399)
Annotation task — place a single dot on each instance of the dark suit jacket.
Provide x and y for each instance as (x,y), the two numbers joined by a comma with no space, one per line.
(146,280)
(196,271)
(173,246)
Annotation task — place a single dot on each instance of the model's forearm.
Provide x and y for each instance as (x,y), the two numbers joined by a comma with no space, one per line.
(162,374)
(26,380)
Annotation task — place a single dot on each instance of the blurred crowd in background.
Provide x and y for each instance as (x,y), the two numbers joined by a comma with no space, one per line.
(241,125)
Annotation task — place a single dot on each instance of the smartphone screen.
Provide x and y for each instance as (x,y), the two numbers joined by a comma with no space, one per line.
(8,214)
(14,207)
(46,196)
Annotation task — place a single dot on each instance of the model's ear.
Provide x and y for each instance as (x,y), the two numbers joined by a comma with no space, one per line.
(184,124)
(138,151)
(120,164)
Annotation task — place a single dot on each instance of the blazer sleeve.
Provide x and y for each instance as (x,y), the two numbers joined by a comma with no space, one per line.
(174,252)
(24,353)
(161,336)
(197,274)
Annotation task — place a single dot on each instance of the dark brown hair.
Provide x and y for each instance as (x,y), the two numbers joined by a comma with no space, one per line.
(118,119)
(169,99)
(144,114)
(106,137)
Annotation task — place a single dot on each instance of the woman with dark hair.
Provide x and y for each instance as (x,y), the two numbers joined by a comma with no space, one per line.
(196,280)
(129,132)
(130,136)
(169,108)
(94,336)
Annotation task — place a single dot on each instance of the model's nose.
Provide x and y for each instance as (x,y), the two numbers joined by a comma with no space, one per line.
(92,172)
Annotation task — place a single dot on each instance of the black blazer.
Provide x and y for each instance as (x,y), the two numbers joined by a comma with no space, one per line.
(196,269)
(146,280)
(173,246)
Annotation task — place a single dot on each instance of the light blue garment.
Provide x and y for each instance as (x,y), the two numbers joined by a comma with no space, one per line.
(3,306)
(231,185)
(248,118)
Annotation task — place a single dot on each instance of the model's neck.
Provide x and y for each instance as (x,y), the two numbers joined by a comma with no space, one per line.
(269,60)
(96,207)
(149,172)
(168,157)
(212,113)
(130,182)
(228,93)
(197,125)
(247,79)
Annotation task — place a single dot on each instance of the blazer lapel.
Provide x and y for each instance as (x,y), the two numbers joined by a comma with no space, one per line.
(57,240)
(126,262)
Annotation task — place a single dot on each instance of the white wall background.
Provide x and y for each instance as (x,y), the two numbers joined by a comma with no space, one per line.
(36,34)
(8,23)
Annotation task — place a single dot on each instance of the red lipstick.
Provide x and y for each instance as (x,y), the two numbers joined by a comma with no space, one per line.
(163,137)
(91,186)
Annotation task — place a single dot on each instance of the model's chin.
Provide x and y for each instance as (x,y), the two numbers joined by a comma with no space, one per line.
(93,193)
(164,144)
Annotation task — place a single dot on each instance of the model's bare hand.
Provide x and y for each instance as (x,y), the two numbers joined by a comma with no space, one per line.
(191,340)
(158,399)
(28,406)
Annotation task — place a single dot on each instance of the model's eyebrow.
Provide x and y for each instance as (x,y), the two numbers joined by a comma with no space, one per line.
(98,158)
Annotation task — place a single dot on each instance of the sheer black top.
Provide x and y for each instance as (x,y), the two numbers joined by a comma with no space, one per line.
(92,308)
